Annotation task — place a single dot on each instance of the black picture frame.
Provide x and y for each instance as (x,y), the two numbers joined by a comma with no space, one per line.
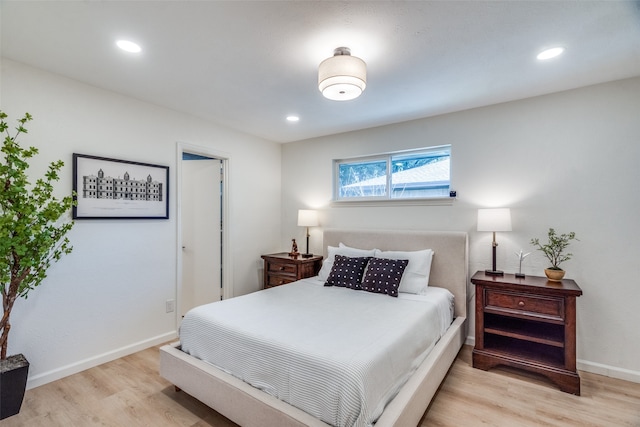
(107,188)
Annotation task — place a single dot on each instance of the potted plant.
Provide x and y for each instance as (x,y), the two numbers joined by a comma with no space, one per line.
(32,236)
(554,250)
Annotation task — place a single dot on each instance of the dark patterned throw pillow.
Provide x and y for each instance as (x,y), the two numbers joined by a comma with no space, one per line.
(346,272)
(383,276)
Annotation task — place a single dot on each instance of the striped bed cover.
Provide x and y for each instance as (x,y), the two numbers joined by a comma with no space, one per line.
(338,354)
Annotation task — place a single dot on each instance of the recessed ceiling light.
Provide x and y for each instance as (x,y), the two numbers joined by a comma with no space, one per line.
(550,53)
(293,118)
(129,46)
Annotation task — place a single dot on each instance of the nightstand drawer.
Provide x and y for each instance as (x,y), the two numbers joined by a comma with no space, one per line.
(528,305)
(277,280)
(281,268)
(276,267)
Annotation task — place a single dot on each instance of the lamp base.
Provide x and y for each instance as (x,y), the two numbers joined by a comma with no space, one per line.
(494,272)
(520,275)
(307,255)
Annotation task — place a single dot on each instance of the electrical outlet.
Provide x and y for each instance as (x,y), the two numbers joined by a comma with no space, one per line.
(170,305)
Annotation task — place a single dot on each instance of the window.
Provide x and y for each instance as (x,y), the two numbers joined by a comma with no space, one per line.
(417,174)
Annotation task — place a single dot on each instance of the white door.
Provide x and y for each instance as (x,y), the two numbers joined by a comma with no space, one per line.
(201,233)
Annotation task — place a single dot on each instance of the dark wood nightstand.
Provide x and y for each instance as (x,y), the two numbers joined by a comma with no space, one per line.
(280,269)
(527,323)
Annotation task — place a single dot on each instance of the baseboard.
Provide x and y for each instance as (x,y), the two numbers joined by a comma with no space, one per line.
(592,367)
(74,368)
(608,371)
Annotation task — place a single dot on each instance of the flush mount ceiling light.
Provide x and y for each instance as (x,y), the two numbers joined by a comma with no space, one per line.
(342,77)
(550,53)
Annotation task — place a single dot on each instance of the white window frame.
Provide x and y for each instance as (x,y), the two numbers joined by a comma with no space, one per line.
(387,196)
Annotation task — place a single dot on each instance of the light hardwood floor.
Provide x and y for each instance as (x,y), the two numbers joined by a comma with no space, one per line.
(129,392)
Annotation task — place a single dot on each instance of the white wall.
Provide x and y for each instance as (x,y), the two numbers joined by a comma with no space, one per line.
(567,160)
(107,298)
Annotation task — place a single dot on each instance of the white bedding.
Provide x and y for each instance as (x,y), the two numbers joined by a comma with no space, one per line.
(339,354)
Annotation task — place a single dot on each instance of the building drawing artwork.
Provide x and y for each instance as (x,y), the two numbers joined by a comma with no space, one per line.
(101,187)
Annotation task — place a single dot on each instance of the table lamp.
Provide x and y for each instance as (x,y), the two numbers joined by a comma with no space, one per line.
(493,220)
(307,218)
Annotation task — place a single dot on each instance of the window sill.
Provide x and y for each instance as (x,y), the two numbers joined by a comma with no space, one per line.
(434,201)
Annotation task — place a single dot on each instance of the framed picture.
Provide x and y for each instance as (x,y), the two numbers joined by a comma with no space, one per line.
(119,189)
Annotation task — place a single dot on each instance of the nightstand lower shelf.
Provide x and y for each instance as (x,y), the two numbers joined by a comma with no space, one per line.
(526,351)
(552,335)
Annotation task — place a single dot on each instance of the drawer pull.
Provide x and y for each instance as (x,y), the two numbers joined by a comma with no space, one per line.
(521,304)
(281,268)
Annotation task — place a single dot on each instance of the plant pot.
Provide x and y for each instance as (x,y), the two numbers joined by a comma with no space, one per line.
(13,382)
(554,275)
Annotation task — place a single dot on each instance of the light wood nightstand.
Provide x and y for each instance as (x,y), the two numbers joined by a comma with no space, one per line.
(527,323)
(280,268)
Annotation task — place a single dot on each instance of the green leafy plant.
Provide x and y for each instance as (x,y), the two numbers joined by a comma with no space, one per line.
(555,247)
(32,233)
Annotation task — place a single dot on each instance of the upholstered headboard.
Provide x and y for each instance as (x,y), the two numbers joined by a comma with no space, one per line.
(449,267)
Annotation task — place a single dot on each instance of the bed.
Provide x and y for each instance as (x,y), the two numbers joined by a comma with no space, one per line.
(249,406)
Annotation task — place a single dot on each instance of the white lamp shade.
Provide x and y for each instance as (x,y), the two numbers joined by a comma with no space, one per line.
(494,219)
(307,218)
(342,77)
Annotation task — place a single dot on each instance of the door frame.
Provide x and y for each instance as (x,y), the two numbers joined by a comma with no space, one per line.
(225,158)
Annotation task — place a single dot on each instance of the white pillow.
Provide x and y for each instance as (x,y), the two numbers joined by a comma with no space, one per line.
(416,276)
(332,251)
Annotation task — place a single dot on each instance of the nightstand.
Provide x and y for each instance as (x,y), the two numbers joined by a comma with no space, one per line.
(527,323)
(280,269)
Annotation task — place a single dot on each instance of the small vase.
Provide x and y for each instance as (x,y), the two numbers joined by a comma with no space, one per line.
(554,275)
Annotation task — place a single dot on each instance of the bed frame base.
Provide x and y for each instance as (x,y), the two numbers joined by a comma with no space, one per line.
(250,407)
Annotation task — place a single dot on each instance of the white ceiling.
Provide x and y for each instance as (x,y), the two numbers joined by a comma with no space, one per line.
(247,65)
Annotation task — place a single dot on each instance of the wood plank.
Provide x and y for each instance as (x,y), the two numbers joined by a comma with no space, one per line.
(129,391)
(512,397)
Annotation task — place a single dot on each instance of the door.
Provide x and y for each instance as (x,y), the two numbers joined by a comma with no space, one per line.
(201,221)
